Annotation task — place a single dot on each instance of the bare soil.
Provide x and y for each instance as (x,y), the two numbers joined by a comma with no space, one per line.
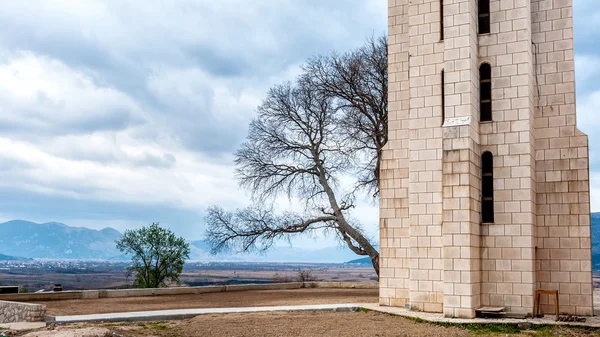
(70,331)
(301,324)
(256,298)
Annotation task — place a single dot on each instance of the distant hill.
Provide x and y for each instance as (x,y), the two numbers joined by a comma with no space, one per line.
(201,251)
(54,240)
(58,241)
(294,254)
(364,260)
(12,258)
(596,242)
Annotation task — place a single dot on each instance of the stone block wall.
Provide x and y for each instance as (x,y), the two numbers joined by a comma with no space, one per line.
(461,228)
(426,64)
(508,254)
(11,312)
(563,260)
(394,277)
(436,254)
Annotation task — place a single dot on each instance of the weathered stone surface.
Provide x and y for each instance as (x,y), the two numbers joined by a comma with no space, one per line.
(11,312)
(71,332)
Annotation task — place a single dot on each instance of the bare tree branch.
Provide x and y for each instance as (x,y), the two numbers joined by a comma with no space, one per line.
(331,121)
(255,229)
(358,81)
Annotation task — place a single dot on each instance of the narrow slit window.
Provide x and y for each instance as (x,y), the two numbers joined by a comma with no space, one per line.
(441,20)
(485,93)
(487,188)
(484,16)
(443,98)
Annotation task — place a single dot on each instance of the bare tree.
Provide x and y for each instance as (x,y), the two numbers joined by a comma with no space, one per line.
(306,275)
(295,147)
(281,278)
(357,81)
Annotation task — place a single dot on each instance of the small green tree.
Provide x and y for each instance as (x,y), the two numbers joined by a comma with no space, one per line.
(157,255)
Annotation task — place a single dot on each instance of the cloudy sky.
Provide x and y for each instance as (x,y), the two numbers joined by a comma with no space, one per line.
(120,113)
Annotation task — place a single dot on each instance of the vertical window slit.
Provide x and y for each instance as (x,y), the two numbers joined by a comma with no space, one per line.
(484,16)
(441,20)
(487,188)
(443,98)
(485,93)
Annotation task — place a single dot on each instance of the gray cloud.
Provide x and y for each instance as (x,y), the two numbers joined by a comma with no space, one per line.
(124,45)
(128,112)
(587,61)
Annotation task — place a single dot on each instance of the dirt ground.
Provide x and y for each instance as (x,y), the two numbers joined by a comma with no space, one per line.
(300,324)
(257,298)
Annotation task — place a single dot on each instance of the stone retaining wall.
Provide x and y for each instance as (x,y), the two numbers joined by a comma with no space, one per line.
(343,285)
(91,294)
(11,312)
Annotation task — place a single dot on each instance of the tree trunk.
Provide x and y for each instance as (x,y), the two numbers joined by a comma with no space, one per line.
(347,231)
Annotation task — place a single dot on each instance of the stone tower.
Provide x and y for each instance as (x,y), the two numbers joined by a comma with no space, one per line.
(485,180)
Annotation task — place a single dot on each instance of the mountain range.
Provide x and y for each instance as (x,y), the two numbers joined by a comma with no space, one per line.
(201,251)
(596,241)
(12,258)
(54,240)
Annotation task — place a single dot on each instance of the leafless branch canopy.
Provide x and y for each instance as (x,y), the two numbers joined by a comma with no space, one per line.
(296,132)
(357,81)
(330,122)
(256,229)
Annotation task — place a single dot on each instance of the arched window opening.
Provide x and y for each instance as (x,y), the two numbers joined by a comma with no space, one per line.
(484,16)
(441,20)
(485,93)
(443,98)
(487,188)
